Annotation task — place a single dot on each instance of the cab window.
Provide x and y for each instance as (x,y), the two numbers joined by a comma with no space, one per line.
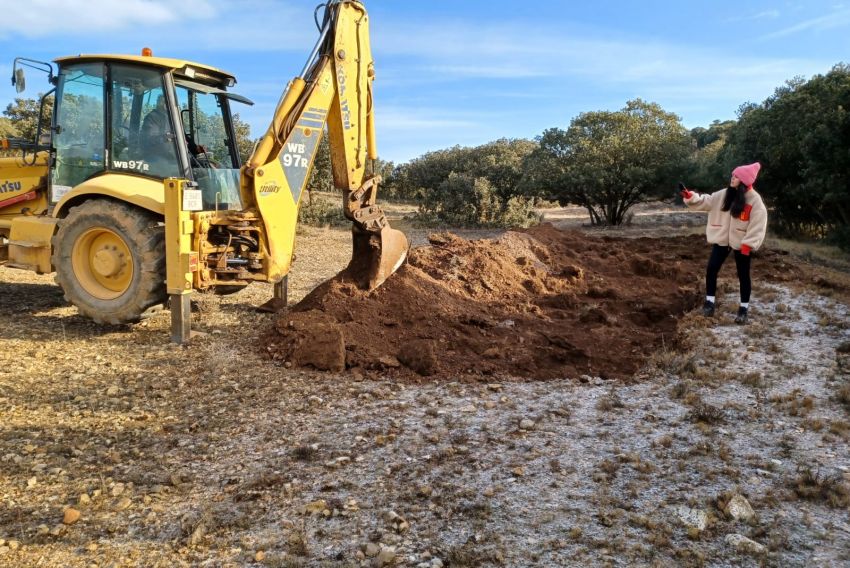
(79,137)
(143,136)
(214,162)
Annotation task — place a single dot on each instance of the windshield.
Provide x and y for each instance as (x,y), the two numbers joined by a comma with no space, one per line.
(215,166)
(143,138)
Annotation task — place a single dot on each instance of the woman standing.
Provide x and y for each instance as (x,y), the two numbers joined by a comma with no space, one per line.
(737,221)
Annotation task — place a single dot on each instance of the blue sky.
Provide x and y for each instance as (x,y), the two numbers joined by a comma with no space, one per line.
(466,72)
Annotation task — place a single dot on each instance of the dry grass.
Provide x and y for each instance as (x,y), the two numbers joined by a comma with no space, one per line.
(816,485)
(817,253)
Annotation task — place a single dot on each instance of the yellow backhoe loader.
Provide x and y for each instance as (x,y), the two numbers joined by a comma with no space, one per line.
(141,157)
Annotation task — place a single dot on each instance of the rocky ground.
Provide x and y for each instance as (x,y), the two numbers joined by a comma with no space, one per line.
(729,446)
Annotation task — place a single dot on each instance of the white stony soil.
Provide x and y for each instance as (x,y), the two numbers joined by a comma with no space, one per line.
(210,456)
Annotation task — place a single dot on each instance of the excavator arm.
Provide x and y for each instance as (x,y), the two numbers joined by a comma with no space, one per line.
(334,91)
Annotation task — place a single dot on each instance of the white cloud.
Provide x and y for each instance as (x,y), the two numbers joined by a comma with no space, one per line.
(763,15)
(837,19)
(42,18)
(489,72)
(408,119)
(167,24)
(544,59)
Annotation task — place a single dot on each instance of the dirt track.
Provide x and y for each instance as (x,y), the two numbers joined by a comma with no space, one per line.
(215,454)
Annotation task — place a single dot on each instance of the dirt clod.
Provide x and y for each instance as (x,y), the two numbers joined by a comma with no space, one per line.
(71,516)
(420,356)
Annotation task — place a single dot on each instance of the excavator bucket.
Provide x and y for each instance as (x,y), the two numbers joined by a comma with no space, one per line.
(376,256)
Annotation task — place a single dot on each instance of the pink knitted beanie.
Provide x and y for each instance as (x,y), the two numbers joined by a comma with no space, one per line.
(747,174)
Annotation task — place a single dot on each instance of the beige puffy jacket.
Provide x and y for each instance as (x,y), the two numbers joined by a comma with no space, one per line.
(744,234)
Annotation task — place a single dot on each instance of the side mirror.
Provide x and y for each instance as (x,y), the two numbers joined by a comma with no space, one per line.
(19,80)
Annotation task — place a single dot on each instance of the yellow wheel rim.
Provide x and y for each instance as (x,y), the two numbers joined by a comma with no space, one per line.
(102,263)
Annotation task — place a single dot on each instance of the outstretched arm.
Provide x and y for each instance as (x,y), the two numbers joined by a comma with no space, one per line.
(694,200)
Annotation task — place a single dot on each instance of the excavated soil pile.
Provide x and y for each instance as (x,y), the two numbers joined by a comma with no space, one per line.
(535,304)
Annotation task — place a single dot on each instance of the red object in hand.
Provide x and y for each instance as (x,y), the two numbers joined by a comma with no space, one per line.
(687,194)
(745,250)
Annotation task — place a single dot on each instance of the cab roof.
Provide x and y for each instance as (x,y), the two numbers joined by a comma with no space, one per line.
(183,67)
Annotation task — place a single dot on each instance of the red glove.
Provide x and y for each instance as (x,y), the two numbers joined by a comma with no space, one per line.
(685,192)
(745,250)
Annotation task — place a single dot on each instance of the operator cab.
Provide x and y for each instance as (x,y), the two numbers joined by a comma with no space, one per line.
(146,116)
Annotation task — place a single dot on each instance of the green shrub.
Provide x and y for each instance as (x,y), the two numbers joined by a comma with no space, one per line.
(466,201)
(321,211)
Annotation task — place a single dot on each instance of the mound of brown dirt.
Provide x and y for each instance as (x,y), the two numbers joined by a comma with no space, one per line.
(536,304)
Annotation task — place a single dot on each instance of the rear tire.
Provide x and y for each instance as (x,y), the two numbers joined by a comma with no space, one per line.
(109,259)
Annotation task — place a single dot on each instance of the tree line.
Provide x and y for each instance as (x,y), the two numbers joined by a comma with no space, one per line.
(608,161)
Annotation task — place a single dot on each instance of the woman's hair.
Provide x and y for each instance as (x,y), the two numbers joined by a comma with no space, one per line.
(735,200)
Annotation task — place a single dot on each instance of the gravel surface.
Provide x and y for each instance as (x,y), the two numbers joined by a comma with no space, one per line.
(119,449)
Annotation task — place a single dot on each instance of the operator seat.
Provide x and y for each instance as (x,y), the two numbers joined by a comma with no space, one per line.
(154,135)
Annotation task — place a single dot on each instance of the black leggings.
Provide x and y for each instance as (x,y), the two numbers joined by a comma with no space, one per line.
(742,263)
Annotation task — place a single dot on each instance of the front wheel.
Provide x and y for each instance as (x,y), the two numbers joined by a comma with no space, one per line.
(109,259)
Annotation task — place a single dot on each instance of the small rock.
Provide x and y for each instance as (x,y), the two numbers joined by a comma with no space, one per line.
(693,518)
(518,471)
(316,507)
(112,391)
(32,482)
(260,556)
(71,516)
(469,408)
(4,550)
(338,462)
(492,353)
(526,424)
(84,500)
(43,530)
(197,535)
(740,509)
(489,491)
(743,544)
(389,361)
(14,544)
(117,489)
(386,556)
(123,504)
(398,523)
(58,530)
(371,550)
